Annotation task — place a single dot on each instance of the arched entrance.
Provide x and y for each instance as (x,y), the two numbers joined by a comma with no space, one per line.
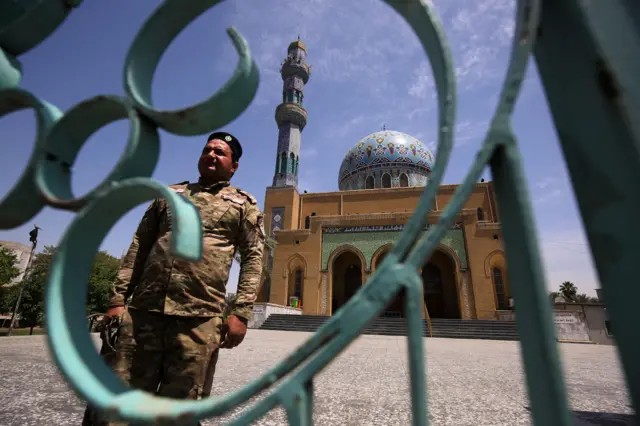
(396,307)
(346,278)
(440,290)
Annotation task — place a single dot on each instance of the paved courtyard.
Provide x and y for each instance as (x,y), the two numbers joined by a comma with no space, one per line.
(470,382)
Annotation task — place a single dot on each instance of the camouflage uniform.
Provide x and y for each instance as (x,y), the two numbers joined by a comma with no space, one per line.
(170,332)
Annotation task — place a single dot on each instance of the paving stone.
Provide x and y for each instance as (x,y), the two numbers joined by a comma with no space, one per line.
(469,382)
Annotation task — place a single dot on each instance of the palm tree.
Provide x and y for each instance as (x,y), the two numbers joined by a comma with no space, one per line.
(583,298)
(568,291)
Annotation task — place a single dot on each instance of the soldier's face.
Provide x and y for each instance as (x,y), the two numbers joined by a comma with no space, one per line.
(216,162)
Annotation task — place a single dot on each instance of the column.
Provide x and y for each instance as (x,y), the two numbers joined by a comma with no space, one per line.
(324,294)
(466,295)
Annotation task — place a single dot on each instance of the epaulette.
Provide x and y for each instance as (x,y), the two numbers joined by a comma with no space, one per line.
(175,185)
(249,196)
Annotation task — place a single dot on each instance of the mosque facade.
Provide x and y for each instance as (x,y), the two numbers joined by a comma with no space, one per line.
(328,244)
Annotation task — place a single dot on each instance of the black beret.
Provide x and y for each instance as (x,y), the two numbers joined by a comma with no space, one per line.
(231,140)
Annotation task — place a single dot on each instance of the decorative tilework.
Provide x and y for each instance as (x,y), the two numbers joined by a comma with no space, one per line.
(369,242)
(325,293)
(466,291)
(277,219)
(387,151)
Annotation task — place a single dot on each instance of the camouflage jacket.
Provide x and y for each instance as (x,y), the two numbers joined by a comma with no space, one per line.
(156,281)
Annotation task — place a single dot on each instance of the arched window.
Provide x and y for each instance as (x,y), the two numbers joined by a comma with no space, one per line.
(297,288)
(292,163)
(404,180)
(283,163)
(307,222)
(386,181)
(480,214)
(369,183)
(277,163)
(297,164)
(501,296)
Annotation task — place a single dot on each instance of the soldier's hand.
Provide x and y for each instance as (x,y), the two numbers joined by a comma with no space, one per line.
(233,333)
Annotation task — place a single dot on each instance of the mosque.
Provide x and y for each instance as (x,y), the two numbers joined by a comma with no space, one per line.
(328,244)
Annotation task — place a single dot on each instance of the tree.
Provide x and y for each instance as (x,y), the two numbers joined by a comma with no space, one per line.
(583,298)
(103,274)
(8,296)
(8,266)
(32,304)
(553,295)
(568,291)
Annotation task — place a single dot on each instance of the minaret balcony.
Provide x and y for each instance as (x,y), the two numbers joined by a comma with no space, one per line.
(291,113)
(290,68)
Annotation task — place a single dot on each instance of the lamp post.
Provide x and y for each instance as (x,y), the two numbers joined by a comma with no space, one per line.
(33,238)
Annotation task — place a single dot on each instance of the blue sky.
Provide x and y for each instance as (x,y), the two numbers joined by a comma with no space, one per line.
(368,70)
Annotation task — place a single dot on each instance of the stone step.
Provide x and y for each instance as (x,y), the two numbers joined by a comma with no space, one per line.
(395,319)
(402,323)
(444,328)
(426,335)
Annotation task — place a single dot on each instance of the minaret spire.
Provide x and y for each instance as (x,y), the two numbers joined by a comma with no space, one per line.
(291,117)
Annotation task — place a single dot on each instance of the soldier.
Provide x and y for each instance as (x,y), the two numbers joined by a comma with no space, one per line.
(168,337)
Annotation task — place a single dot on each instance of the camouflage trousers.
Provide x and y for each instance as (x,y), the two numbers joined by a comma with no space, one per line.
(166,355)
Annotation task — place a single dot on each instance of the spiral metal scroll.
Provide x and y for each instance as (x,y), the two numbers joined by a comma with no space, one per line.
(46,180)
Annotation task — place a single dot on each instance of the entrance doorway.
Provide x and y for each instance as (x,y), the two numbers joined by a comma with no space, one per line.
(396,307)
(439,287)
(346,279)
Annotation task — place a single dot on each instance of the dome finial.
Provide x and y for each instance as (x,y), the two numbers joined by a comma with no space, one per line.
(384,127)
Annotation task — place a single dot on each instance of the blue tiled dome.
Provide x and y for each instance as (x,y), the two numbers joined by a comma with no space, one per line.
(387,151)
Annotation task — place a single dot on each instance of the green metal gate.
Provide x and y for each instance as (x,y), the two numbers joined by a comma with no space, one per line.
(587,54)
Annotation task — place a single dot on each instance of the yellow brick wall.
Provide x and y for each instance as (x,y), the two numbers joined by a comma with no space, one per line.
(483,251)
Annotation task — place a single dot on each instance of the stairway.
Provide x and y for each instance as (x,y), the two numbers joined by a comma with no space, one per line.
(444,328)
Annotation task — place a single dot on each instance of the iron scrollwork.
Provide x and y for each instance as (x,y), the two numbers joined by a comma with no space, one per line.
(46,181)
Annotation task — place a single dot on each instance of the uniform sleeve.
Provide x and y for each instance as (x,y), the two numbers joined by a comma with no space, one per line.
(251,246)
(133,264)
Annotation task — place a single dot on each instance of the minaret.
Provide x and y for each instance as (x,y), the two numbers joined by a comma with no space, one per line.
(290,115)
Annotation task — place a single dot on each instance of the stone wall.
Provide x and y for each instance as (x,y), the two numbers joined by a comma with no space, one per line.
(261,312)
(571,326)
(575,322)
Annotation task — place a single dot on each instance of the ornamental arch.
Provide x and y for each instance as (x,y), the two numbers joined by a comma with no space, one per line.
(295,274)
(441,283)
(378,256)
(347,266)
(495,270)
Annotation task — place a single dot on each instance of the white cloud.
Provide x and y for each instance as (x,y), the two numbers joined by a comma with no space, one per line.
(566,257)
(423,85)
(548,189)
(545,182)
(479,33)
(547,196)
(469,131)
(339,131)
